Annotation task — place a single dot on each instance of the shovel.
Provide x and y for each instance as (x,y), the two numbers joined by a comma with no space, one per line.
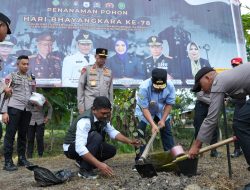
(202,150)
(143,168)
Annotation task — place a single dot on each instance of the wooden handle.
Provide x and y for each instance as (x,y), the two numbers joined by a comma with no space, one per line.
(218,144)
(150,142)
(207,148)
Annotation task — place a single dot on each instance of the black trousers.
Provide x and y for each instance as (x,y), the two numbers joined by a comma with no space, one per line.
(35,131)
(1,130)
(241,126)
(96,146)
(18,121)
(201,111)
(238,106)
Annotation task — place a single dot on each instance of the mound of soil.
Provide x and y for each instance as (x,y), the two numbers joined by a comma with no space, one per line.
(212,174)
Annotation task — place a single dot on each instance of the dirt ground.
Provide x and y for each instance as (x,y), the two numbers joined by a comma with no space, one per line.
(212,174)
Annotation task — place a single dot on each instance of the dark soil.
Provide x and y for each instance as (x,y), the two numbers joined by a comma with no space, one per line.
(212,174)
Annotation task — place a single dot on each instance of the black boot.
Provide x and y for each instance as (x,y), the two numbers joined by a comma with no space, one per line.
(9,166)
(237,153)
(22,161)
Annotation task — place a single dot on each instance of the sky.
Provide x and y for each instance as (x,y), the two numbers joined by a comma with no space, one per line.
(245,3)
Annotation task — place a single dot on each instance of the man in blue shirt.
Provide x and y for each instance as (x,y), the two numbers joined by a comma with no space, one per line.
(154,102)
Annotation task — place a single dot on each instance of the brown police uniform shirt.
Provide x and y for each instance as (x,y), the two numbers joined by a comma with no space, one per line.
(39,113)
(94,82)
(234,83)
(22,87)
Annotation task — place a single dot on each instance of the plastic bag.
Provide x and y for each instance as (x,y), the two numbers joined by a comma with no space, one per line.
(44,177)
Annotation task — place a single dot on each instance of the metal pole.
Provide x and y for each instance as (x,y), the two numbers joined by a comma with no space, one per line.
(226,136)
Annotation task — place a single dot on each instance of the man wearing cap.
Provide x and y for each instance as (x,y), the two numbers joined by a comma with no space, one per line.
(4,30)
(8,60)
(95,80)
(45,65)
(4,26)
(156,59)
(235,84)
(177,38)
(238,104)
(155,98)
(73,64)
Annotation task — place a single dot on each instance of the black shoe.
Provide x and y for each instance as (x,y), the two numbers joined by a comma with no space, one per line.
(22,161)
(247,187)
(9,166)
(214,153)
(87,174)
(236,153)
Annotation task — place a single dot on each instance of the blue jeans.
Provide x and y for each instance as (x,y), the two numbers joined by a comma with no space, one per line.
(165,132)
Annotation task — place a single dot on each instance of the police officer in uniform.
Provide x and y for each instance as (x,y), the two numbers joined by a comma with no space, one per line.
(95,80)
(45,64)
(157,59)
(73,64)
(8,60)
(16,113)
(4,30)
(235,84)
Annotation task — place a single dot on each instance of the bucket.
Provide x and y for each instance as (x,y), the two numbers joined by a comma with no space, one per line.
(188,167)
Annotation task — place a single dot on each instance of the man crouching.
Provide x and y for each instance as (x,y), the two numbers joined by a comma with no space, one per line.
(85,139)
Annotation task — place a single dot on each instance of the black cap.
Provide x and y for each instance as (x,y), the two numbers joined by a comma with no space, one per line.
(45,36)
(159,78)
(198,76)
(102,52)
(6,20)
(154,41)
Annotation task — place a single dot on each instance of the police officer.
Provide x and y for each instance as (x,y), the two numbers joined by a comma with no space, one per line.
(8,60)
(233,83)
(4,30)
(73,64)
(157,59)
(155,98)
(95,80)
(16,113)
(238,103)
(45,64)
(40,116)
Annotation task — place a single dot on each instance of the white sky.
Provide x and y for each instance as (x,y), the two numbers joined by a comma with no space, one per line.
(245,3)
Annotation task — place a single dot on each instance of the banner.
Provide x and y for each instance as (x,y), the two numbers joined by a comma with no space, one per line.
(60,38)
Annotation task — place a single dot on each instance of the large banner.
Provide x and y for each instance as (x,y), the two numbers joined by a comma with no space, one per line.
(60,37)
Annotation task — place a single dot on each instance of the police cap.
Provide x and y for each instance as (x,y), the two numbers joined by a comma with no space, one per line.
(159,78)
(6,20)
(84,39)
(45,36)
(102,52)
(154,41)
(198,76)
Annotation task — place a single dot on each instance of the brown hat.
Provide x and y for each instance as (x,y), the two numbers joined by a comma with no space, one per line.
(159,78)
(6,20)
(198,76)
(102,52)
